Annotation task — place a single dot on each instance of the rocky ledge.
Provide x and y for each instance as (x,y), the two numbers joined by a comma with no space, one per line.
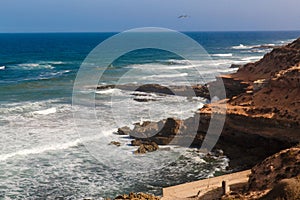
(189,91)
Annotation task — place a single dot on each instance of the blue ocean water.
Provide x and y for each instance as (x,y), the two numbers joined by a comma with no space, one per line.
(41,153)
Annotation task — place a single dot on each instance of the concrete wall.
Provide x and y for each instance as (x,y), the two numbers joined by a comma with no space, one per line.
(199,188)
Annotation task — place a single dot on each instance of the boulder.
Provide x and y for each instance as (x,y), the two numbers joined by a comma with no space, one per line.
(124,130)
(161,132)
(115,143)
(146,129)
(136,142)
(144,148)
(141,150)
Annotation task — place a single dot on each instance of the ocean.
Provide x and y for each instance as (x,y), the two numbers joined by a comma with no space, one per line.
(43,153)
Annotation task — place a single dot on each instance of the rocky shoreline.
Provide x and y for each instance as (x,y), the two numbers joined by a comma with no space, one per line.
(262,115)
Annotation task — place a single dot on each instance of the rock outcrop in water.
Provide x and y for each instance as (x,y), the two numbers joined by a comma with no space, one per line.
(144,147)
(115,143)
(189,91)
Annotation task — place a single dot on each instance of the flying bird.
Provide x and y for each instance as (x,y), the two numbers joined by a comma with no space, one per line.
(183,16)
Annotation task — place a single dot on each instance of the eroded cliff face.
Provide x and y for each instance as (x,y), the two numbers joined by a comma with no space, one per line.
(265,117)
(281,58)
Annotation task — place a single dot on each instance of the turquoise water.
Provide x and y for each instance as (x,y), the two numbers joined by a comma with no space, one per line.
(41,153)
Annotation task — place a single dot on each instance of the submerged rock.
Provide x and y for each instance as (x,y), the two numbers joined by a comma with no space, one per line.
(115,143)
(144,99)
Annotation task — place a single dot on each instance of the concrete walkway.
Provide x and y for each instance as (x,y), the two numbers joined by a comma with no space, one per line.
(194,190)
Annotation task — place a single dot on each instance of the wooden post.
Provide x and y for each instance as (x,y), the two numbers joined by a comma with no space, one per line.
(225,187)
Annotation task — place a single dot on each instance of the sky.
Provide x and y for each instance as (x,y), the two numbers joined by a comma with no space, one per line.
(121,15)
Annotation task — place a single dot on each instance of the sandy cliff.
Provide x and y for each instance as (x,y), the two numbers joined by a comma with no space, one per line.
(264,117)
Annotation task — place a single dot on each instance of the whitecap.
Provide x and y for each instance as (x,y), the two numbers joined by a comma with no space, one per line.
(30,66)
(252,58)
(241,46)
(167,75)
(284,42)
(45,112)
(223,55)
(259,46)
(108,91)
(181,67)
(175,61)
(56,62)
(40,150)
(160,66)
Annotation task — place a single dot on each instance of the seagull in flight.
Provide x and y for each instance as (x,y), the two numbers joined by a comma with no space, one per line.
(183,16)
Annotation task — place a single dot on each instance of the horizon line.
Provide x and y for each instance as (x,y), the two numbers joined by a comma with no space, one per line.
(184,31)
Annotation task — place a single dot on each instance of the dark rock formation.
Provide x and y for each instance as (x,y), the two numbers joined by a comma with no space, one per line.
(146,129)
(144,148)
(189,91)
(233,87)
(115,143)
(137,142)
(137,196)
(235,66)
(155,88)
(123,131)
(144,99)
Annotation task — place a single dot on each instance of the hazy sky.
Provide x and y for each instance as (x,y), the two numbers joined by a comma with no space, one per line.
(120,15)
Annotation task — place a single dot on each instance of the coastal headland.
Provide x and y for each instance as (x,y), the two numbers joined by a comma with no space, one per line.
(261,127)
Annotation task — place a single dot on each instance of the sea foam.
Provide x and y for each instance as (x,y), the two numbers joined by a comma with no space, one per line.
(39,150)
(223,55)
(45,112)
